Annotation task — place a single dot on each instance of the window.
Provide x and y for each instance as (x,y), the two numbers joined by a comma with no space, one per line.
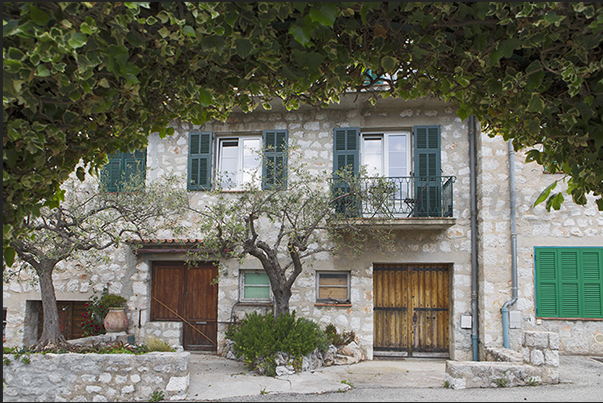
(255,285)
(414,185)
(124,171)
(238,160)
(569,282)
(333,287)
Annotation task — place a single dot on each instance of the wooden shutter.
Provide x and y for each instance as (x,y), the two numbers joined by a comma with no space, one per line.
(427,171)
(111,173)
(345,149)
(199,161)
(274,167)
(592,277)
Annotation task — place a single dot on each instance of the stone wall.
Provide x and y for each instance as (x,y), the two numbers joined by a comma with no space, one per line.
(95,377)
(537,364)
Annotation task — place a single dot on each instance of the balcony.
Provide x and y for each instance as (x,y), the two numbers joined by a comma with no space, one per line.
(396,202)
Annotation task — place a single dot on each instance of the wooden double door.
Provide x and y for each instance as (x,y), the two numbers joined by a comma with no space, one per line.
(188,294)
(410,310)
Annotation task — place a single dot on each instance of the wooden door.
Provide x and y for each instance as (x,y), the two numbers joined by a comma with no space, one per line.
(410,311)
(190,295)
(70,319)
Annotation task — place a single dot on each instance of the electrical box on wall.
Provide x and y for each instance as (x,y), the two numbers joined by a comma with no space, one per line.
(466,322)
(514,319)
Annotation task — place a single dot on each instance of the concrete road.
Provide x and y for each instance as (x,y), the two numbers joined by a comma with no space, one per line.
(412,380)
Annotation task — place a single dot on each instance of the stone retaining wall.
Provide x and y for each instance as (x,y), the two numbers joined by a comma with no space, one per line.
(537,364)
(95,377)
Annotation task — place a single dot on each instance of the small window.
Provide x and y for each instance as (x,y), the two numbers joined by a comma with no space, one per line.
(255,286)
(333,287)
(124,171)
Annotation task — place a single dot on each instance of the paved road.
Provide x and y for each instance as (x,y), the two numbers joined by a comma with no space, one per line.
(384,381)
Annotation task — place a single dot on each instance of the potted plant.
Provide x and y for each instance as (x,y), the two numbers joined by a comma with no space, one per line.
(116,319)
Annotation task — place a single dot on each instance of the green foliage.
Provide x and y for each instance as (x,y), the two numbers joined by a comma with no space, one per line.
(257,338)
(157,397)
(339,339)
(96,310)
(79,77)
(156,344)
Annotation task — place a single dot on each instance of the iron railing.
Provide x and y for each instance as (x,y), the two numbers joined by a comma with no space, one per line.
(393,197)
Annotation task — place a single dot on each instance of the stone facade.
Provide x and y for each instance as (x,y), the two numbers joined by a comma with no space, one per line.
(312,131)
(95,377)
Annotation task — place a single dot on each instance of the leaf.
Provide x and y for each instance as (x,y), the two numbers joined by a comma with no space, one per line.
(42,71)
(205,97)
(462,113)
(243,47)
(38,16)
(189,31)
(536,104)
(388,63)
(80,173)
(300,34)
(545,193)
(9,255)
(78,40)
(325,15)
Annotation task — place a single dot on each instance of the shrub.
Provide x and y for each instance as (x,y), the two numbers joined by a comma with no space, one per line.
(339,339)
(258,338)
(156,344)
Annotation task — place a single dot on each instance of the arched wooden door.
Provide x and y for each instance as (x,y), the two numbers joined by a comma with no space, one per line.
(410,312)
(188,294)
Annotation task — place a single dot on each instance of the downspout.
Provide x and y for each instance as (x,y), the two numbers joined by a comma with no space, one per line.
(473,168)
(505,308)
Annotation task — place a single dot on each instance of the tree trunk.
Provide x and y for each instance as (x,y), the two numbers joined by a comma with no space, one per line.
(281,301)
(51,332)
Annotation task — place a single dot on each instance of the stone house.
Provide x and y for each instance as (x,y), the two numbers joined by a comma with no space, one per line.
(475,263)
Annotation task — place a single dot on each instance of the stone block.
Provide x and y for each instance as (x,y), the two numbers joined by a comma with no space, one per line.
(551,357)
(536,339)
(554,341)
(536,357)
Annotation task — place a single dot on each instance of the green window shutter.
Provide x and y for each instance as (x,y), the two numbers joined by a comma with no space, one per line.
(427,171)
(345,149)
(546,283)
(274,166)
(199,161)
(124,170)
(569,282)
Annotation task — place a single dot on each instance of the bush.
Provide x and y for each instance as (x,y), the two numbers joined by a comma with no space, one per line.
(258,338)
(156,344)
(339,339)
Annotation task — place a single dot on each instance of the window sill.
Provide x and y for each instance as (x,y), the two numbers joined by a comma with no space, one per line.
(553,318)
(254,303)
(343,305)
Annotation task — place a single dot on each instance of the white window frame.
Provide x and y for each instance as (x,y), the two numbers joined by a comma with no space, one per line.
(240,175)
(385,139)
(242,286)
(348,287)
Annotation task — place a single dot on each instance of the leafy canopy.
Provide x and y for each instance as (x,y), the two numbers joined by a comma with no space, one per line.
(83,80)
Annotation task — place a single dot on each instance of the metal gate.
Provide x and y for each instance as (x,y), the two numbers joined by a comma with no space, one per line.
(410,310)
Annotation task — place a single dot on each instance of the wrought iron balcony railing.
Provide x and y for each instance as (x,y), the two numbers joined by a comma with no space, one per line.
(394,197)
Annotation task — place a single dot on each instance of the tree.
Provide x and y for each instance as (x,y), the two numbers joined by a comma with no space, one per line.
(83,80)
(89,220)
(303,214)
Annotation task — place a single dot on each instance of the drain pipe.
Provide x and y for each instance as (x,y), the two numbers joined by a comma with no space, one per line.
(505,308)
(473,168)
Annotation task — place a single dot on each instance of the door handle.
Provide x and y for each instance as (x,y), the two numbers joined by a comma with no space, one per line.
(200,323)
(414,319)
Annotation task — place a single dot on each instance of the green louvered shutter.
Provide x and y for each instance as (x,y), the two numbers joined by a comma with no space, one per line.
(121,169)
(592,277)
(346,143)
(568,270)
(199,161)
(569,282)
(274,167)
(546,283)
(428,188)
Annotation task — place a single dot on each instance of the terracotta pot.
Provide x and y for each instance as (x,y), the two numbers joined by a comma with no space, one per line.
(116,320)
